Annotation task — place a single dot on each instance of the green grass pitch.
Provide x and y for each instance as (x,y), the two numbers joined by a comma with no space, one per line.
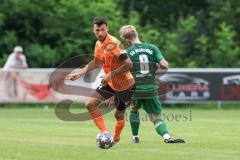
(36,134)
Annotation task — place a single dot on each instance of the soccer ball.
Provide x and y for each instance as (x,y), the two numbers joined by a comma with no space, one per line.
(104,140)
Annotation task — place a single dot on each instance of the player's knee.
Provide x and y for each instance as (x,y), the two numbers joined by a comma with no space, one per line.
(90,104)
(152,118)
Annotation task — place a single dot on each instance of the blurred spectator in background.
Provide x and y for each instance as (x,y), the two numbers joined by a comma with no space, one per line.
(16,60)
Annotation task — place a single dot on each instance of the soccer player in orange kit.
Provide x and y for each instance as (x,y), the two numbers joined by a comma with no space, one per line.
(117,81)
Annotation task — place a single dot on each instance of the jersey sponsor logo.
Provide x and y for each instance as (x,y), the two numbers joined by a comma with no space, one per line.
(143,75)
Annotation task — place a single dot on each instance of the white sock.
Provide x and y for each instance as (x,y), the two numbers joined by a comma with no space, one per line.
(135,136)
(166,136)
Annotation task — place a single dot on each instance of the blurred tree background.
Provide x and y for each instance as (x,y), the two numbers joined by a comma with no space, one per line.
(203,33)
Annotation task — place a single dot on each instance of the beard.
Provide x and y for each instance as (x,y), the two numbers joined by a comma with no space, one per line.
(102,38)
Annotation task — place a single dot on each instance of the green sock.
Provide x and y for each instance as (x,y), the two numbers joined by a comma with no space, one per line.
(160,127)
(134,122)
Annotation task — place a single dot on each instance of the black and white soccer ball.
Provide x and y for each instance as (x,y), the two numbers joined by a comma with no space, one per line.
(104,140)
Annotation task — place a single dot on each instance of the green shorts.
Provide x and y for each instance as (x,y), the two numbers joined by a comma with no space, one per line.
(150,105)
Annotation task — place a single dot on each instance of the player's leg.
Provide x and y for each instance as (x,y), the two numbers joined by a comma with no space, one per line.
(101,94)
(160,125)
(119,124)
(135,120)
(161,129)
(153,107)
(122,101)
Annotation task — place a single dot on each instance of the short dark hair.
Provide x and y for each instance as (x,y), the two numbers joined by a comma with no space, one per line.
(99,21)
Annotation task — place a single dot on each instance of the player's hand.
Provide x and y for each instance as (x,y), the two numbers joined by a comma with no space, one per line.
(158,65)
(72,76)
(163,66)
(105,79)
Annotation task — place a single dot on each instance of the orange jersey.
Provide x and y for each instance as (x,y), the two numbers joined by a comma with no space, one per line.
(107,52)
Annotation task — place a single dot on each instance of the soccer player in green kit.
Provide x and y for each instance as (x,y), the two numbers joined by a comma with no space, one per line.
(146,59)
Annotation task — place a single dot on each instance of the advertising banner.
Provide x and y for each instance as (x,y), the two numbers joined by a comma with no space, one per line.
(177,86)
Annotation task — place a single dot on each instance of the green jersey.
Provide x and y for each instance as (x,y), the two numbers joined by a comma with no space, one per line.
(144,57)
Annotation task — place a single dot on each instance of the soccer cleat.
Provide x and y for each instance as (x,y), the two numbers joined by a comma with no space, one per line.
(115,142)
(173,140)
(135,140)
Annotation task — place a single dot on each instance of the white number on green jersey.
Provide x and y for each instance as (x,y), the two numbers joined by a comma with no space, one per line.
(144,65)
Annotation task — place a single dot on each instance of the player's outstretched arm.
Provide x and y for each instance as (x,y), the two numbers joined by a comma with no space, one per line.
(90,66)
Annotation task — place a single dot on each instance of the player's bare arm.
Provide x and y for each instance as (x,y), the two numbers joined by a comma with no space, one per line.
(126,66)
(163,65)
(90,66)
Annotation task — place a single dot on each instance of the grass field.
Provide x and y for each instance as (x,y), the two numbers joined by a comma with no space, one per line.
(36,134)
